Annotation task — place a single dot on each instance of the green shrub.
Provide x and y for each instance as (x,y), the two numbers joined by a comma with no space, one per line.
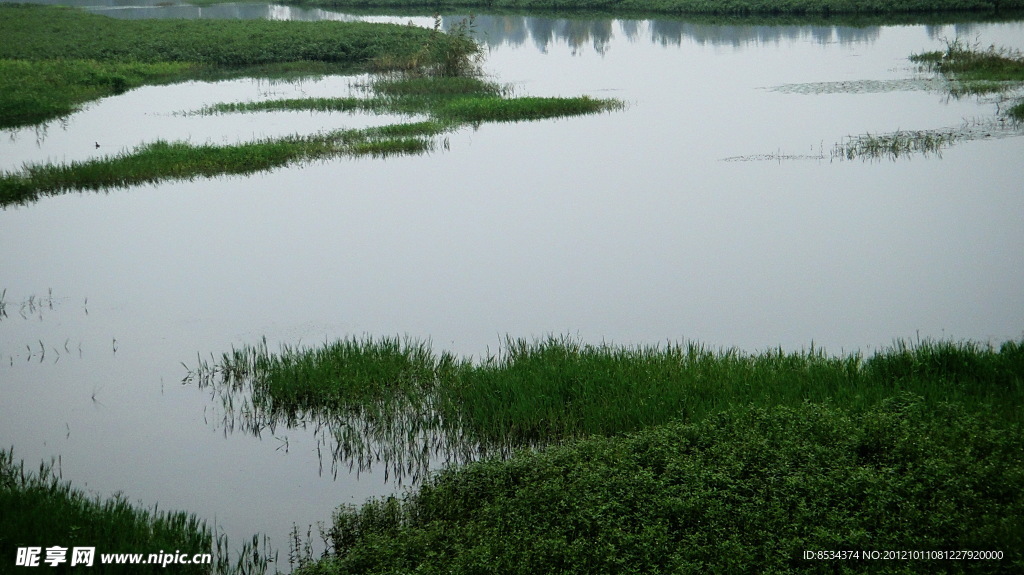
(745,491)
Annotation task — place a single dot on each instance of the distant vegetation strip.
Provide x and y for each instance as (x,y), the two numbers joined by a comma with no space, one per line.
(40,509)
(35,91)
(558,388)
(979,71)
(724,7)
(750,489)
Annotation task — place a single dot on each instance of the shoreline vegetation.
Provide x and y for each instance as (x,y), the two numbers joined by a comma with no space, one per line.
(42,509)
(682,7)
(559,389)
(967,71)
(673,459)
(420,72)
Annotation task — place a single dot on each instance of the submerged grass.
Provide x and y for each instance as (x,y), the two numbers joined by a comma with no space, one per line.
(452,100)
(744,491)
(42,510)
(897,144)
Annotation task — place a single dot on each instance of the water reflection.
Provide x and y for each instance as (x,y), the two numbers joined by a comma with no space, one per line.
(544,32)
(401,438)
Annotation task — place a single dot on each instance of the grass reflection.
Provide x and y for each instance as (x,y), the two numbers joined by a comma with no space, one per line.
(397,404)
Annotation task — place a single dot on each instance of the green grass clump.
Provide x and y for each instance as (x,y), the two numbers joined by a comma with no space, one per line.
(449,102)
(449,99)
(475,110)
(36,91)
(41,510)
(1017,111)
(971,70)
(745,491)
(342,375)
(161,160)
(964,62)
(53,59)
(559,389)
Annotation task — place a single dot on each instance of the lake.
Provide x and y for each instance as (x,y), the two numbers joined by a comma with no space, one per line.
(710,209)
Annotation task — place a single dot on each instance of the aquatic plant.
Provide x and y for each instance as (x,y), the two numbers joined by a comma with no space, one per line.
(53,59)
(969,62)
(971,70)
(401,400)
(967,70)
(895,145)
(451,53)
(42,509)
(37,91)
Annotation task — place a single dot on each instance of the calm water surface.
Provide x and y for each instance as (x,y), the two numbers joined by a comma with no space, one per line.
(708,210)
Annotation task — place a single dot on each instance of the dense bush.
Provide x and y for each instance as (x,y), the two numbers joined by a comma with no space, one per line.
(745,491)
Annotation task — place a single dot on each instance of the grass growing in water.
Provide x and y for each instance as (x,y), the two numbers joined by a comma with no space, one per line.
(43,510)
(974,71)
(559,389)
(162,160)
(37,91)
(967,71)
(453,100)
(53,59)
(744,491)
(968,63)
(674,459)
